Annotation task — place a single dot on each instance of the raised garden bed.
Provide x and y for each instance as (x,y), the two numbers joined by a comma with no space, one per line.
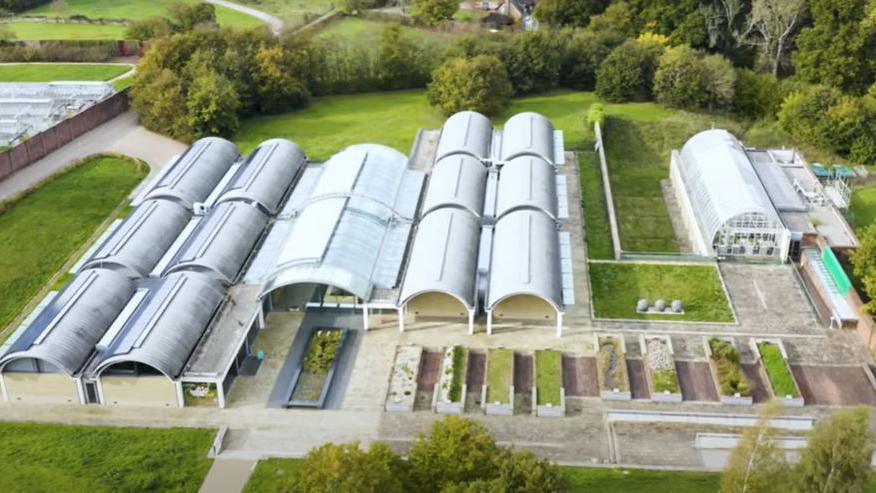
(611,363)
(660,369)
(498,390)
(774,362)
(403,379)
(549,396)
(450,392)
(724,363)
(313,378)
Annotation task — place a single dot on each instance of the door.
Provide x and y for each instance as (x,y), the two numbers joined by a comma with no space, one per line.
(91,393)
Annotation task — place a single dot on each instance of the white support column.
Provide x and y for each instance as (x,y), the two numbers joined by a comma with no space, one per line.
(80,390)
(365,317)
(401,319)
(489,322)
(220,394)
(180,398)
(261,316)
(100,395)
(3,388)
(471,314)
(559,324)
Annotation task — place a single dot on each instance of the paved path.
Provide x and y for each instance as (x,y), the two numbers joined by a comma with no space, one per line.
(274,23)
(123,135)
(228,476)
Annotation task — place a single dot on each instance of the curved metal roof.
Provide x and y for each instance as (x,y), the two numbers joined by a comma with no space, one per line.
(528,134)
(466,132)
(194,175)
(444,257)
(721,182)
(266,175)
(527,183)
(456,181)
(164,324)
(526,259)
(137,245)
(221,242)
(65,332)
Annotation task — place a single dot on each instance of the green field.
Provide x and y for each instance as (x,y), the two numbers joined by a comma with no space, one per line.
(548,376)
(500,375)
(863,207)
(292,12)
(37,457)
(40,232)
(368,31)
(29,31)
(132,10)
(597,231)
(618,286)
(777,370)
(48,72)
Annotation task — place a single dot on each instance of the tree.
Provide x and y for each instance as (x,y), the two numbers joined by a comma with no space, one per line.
(771,27)
(433,12)
(185,17)
(627,72)
(349,468)
(519,472)
(159,101)
(212,104)
(680,79)
(680,20)
(838,454)
(719,81)
(399,60)
(803,114)
(148,28)
(581,59)
(533,61)
(617,20)
(756,95)
(6,34)
(756,465)
(558,13)
(276,86)
(864,264)
(477,84)
(839,49)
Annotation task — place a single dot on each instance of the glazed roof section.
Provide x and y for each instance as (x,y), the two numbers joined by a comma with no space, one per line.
(196,173)
(456,181)
(465,133)
(267,174)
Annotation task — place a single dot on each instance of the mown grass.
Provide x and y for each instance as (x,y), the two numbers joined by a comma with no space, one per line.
(40,231)
(40,457)
(548,377)
(500,375)
(273,476)
(367,31)
(617,287)
(29,31)
(583,479)
(457,378)
(596,225)
(863,208)
(48,72)
(133,10)
(777,370)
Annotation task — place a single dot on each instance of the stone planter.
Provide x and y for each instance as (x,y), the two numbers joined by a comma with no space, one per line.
(403,380)
(616,392)
(498,409)
(787,400)
(441,401)
(669,366)
(547,410)
(731,400)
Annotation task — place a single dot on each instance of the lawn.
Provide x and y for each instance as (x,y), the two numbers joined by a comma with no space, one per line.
(618,286)
(133,10)
(40,232)
(863,207)
(500,375)
(459,361)
(55,31)
(777,370)
(367,31)
(37,457)
(292,12)
(48,72)
(273,476)
(548,376)
(596,227)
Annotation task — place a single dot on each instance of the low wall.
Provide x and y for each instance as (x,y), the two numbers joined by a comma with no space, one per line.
(40,145)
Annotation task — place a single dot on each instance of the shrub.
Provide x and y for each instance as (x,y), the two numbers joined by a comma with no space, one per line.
(719,81)
(433,12)
(277,88)
(324,346)
(533,61)
(346,467)
(730,376)
(581,59)
(627,73)
(757,96)
(596,114)
(802,114)
(680,79)
(477,84)
(568,12)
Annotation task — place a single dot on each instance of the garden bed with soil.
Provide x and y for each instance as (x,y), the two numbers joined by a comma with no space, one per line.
(450,392)
(403,379)
(499,388)
(549,396)
(611,363)
(660,369)
(724,362)
(313,379)
(774,362)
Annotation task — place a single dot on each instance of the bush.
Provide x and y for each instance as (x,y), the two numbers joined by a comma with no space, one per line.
(627,73)
(533,61)
(803,114)
(757,96)
(719,79)
(433,12)
(348,468)
(20,5)
(477,84)
(581,59)
(58,51)
(568,12)
(596,114)
(680,79)
(212,103)
(728,368)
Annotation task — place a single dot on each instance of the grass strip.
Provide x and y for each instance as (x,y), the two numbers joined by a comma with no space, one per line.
(777,370)
(460,361)
(548,377)
(596,226)
(500,375)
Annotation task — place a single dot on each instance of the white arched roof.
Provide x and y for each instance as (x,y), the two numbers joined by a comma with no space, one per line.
(444,257)
(466,132)
(456,181)
(266,175)
(137,245)
(527,183)
(197,172)
(65,332)
(721,182)
(526,259)
(528,134)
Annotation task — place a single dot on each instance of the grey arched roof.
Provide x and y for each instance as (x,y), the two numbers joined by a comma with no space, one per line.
(221,242)
(526,259)
(721,182)
(163,324)
(528,134)
(65,332)
(527,183)
(466,132)
(197,172)
(444,257)
(136,246)
(352,231)
(266,176)
(456,181)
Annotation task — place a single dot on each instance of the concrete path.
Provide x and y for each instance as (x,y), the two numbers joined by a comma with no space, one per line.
(122,135)
(228,475)
(274,23)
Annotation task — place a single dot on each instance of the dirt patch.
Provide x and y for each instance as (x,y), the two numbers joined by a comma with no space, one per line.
(477,365)
(579,377)
(695,380)
(834,385)
(759,391)
(522,373)
(430,365)
(638,383)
